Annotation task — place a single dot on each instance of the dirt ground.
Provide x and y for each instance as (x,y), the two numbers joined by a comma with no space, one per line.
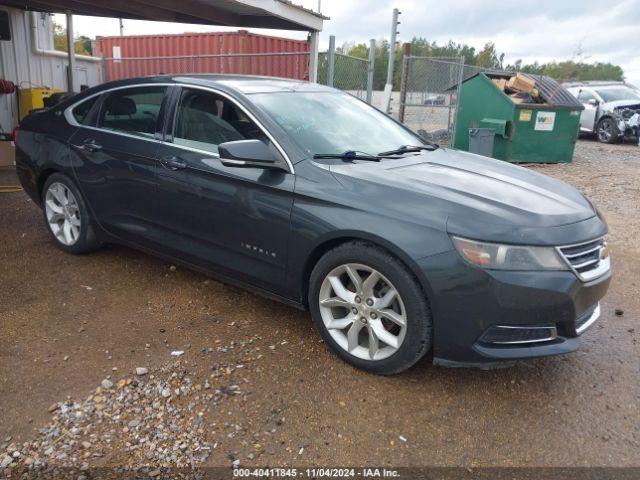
(68,322)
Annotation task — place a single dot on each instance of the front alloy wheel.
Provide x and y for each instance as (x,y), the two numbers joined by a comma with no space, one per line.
(370,308)
(363,311)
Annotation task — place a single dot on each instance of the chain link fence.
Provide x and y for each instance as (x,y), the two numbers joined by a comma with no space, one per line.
(293,65)
(349,73)
(428,94)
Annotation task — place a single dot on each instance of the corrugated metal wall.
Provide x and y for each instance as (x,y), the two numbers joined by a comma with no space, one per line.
(139,55)
(22,66)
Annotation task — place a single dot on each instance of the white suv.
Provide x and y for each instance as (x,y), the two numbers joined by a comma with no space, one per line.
(611,109)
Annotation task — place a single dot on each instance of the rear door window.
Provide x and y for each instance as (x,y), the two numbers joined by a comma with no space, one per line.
(133,110)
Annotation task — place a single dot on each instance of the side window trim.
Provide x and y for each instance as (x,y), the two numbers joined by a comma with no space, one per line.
(68,112)
(172,105)
(171,108)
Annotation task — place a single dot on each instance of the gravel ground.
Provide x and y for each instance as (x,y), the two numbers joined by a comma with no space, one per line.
(155,421)
(255,386)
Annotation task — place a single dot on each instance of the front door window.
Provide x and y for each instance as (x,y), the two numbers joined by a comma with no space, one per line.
(204,120)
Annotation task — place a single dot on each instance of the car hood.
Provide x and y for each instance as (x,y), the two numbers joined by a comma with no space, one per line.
(468,192)
(621,104)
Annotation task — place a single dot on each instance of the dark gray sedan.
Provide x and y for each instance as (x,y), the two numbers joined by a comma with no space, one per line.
(307,195)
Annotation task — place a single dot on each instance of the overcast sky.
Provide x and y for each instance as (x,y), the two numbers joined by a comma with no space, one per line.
(544,30)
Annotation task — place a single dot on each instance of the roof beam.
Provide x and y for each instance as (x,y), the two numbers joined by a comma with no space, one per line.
(142,11)
(198,10)
(289,12)
(76,7)
(264,21)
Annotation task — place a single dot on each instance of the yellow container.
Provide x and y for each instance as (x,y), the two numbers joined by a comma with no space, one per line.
(33,99)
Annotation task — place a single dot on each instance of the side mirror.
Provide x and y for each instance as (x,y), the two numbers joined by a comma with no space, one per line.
(247,153)
(593,102)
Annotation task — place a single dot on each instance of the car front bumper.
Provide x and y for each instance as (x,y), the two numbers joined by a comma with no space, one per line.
(483,317)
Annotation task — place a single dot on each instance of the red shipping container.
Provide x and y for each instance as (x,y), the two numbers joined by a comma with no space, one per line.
(238,52)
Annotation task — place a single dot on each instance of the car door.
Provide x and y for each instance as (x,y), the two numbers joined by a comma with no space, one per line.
(229,219)
(115,160)
(588,116)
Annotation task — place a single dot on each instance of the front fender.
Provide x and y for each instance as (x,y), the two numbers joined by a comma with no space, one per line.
(319,226)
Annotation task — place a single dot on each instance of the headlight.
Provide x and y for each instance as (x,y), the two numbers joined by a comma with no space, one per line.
(509,257)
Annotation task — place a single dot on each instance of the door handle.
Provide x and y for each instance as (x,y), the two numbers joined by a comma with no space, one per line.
(91,146)
(173,163)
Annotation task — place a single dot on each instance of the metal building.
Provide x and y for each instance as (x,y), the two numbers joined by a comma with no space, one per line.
(23,59)
(29,61)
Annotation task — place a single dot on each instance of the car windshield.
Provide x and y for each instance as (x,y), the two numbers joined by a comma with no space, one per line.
(334,122)
(618,93)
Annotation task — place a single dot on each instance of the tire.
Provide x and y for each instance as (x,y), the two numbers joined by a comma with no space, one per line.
(607,130)
(372,311)
(80,235)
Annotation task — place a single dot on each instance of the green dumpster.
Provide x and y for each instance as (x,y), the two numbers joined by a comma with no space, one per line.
(526,131)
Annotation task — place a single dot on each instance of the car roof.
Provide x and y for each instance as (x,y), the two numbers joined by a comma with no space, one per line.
(249,84)
(596,83)
(608,87)
(240,84)
(246,84)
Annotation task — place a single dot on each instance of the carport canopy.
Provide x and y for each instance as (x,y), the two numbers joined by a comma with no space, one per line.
(278,14)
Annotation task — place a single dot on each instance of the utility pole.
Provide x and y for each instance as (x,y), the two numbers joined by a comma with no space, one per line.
(121,27)
(392,45)
(388,88)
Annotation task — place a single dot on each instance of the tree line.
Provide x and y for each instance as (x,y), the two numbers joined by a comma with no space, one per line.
(487,57)
(82,44)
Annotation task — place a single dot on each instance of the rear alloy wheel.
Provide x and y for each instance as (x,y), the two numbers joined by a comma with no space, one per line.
(369,308)
(63,214)
(607,130)
(67,215)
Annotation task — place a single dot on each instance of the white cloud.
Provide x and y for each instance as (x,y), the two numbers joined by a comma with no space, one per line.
(545,30)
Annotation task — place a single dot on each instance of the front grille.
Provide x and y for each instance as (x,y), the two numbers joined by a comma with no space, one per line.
(588,260)
(511,335)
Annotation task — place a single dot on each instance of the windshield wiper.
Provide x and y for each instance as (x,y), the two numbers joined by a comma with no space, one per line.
(410,149)
(349,156)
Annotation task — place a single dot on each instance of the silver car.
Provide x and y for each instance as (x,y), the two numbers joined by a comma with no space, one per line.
(611,109)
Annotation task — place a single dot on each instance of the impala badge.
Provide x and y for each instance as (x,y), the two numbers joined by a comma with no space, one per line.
(258,250)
